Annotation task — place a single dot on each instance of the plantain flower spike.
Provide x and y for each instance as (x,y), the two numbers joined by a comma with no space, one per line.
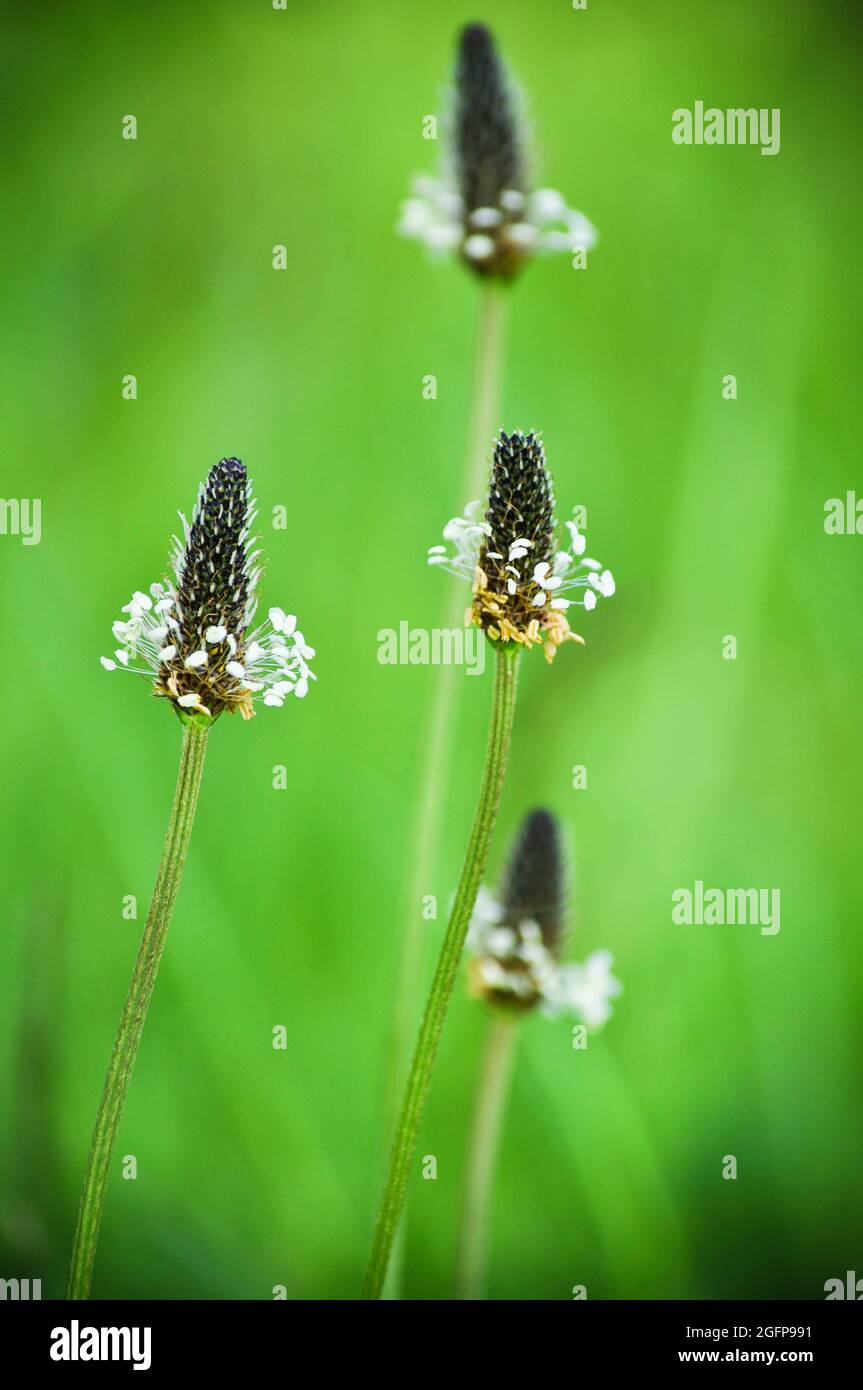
(523,584)
(516,938)
(193,636)
(482,206)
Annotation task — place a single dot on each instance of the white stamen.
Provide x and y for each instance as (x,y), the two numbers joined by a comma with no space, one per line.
(478,247)
(485,217)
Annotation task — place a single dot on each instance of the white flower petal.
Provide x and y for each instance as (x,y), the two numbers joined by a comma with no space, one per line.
(578,540)
(139,603)
(523,234)
(501,941)
(282,622)
(511,200)
(478,247)
(442,236)
(414,217)
(547,205)
(485,217)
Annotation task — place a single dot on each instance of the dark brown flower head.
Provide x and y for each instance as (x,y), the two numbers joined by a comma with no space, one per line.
(517,937)
(518,554)
(213,582)
(523,584)
(194,636)
(520,511)
(534,885)
(483,206)
(489,157)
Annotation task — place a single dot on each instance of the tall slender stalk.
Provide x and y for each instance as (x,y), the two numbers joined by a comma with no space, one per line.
(413,1104)
(136,1006)
(485,388)
(445,698)
(482,1155)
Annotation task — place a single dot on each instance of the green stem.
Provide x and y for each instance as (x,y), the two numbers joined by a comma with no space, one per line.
(413,1104)
(482,1156)
(485,389)
(135,1009)
(445,697)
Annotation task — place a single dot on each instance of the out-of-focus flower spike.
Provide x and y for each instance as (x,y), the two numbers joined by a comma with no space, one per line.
(534,885)
(515,939)
(482,205)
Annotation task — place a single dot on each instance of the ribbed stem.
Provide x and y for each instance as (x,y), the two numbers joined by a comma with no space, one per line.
(482,1155)
(445,697)
(416,1091)
(135,1009)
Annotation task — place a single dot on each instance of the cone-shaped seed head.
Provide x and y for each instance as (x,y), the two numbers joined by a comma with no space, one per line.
(488,145)
(534,887)
(520,506)
(214,585)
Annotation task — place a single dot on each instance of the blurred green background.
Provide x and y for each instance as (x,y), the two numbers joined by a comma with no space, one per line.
(259,127)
